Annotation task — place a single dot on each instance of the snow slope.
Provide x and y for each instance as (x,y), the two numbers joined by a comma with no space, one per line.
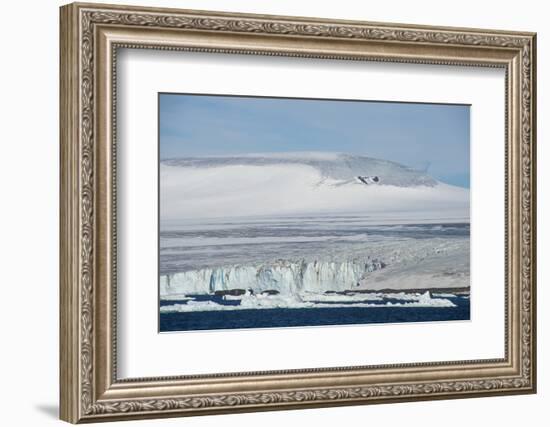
(301,183)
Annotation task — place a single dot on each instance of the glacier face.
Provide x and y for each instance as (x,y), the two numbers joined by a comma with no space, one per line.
(282,276)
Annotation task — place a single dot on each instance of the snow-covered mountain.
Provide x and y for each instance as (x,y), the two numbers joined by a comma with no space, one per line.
(302,183)
(333,166)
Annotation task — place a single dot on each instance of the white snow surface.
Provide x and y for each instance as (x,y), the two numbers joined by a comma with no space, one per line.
(301,183)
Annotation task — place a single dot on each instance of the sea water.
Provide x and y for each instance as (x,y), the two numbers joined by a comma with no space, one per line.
(284,317)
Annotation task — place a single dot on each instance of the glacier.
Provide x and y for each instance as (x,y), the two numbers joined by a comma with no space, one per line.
(283,276)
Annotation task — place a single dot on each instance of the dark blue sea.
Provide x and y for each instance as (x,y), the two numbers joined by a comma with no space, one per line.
(322,316)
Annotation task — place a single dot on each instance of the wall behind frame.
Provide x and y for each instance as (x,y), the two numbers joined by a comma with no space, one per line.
(29,173)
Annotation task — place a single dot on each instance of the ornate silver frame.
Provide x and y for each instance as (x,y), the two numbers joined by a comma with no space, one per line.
(90,36)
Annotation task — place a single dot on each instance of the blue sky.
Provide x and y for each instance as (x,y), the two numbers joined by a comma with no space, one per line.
(432,136)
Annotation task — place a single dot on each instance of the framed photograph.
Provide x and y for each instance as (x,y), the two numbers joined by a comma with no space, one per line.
(252,237)
(266,212)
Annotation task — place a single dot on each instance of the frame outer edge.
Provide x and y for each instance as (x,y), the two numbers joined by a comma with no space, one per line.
(534,270)
(77,226)
(69,354)
(305,19)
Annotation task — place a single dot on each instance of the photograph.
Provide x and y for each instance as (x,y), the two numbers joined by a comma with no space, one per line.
(292,212)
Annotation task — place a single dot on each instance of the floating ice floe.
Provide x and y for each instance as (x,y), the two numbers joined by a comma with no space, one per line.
(262,301)
(342,297)
(177,297)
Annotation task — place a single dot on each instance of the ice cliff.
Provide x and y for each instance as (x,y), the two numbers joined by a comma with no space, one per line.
(284,277)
